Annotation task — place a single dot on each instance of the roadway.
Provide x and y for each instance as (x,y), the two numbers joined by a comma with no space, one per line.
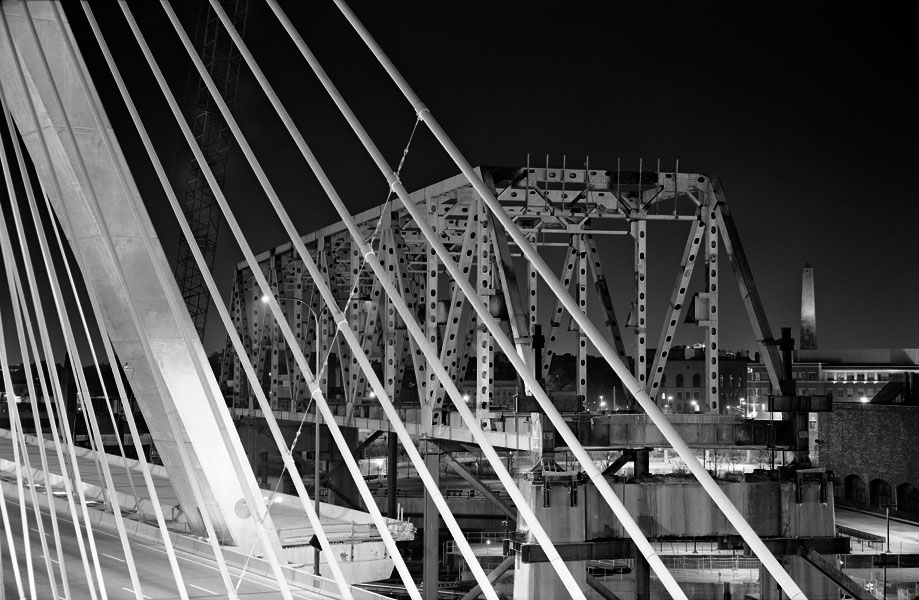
(202,577)
(904,537)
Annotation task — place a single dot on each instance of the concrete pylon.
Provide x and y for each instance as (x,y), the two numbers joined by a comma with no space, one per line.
(122,262)
(808,309)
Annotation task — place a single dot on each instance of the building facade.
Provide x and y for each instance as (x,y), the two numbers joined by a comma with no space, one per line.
(682,389)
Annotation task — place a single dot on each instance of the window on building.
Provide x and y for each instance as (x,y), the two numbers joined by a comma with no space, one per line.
(679,380)
(695,395)
(679,395)
(696,380)
(849,392)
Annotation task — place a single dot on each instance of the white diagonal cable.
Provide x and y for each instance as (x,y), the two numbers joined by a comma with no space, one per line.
(341,324)
(174,425)
(17,300)
(119,383)
(57,396)
(586,325)
(405,313)
(430,351)
(8,385)
(167,187)
(254,500)
(69,338)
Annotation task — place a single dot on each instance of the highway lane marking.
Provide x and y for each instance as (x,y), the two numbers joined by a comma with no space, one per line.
(113,557)
(133,592)
(51,559)
(198,587)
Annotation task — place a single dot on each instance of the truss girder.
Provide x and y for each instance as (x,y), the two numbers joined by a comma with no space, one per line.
(552,216)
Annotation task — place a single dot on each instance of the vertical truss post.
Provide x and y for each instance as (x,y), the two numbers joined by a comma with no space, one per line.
(390,357)
(711,322)
(322,337)
(533,295)
(582,338)
(485,288)
(677,301)
(347,358)
(277,343)
(432,398)
(293,372)
(639,230)
(470,337)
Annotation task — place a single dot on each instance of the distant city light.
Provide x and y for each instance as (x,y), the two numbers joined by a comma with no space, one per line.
(864,399)
(372,394)
(265,299)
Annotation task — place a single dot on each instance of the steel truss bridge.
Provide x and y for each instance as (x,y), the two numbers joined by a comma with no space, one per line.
(338,320)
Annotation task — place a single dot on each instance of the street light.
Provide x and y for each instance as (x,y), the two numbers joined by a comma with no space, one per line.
(887,508)
(316,447)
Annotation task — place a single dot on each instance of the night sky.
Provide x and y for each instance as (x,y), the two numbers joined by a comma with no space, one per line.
(804,111)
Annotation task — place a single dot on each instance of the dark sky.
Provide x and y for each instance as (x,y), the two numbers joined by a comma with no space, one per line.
(803,110)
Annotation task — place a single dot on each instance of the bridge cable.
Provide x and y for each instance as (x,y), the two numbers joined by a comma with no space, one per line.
(593,334)
(507,346)
(22,329)
(177,114)
(128,412)
(57,396)
(182,220)
(17,298)
(431,354)
(304,367)
(8,387)
(64,319)
(252,499)
(365,251)
(21,457)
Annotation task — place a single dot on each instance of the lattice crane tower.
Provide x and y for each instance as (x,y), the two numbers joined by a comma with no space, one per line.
(213,136)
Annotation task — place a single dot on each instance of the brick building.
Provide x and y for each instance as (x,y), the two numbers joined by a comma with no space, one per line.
(869,448)
(681,388)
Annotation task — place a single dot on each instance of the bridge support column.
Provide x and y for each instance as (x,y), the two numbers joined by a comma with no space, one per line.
(392,475)
(642,573)
(431,527)
(342,486)
(564,523)
(642,463)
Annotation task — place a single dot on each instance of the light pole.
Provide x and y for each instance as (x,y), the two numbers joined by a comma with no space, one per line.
(316,447)
(887,508)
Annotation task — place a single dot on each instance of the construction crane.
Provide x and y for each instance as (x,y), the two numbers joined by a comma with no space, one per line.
(213,136)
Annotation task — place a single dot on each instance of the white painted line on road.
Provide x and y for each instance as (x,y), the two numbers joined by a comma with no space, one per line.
(113,557)
(52,560)
(198,587)
(133,592)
